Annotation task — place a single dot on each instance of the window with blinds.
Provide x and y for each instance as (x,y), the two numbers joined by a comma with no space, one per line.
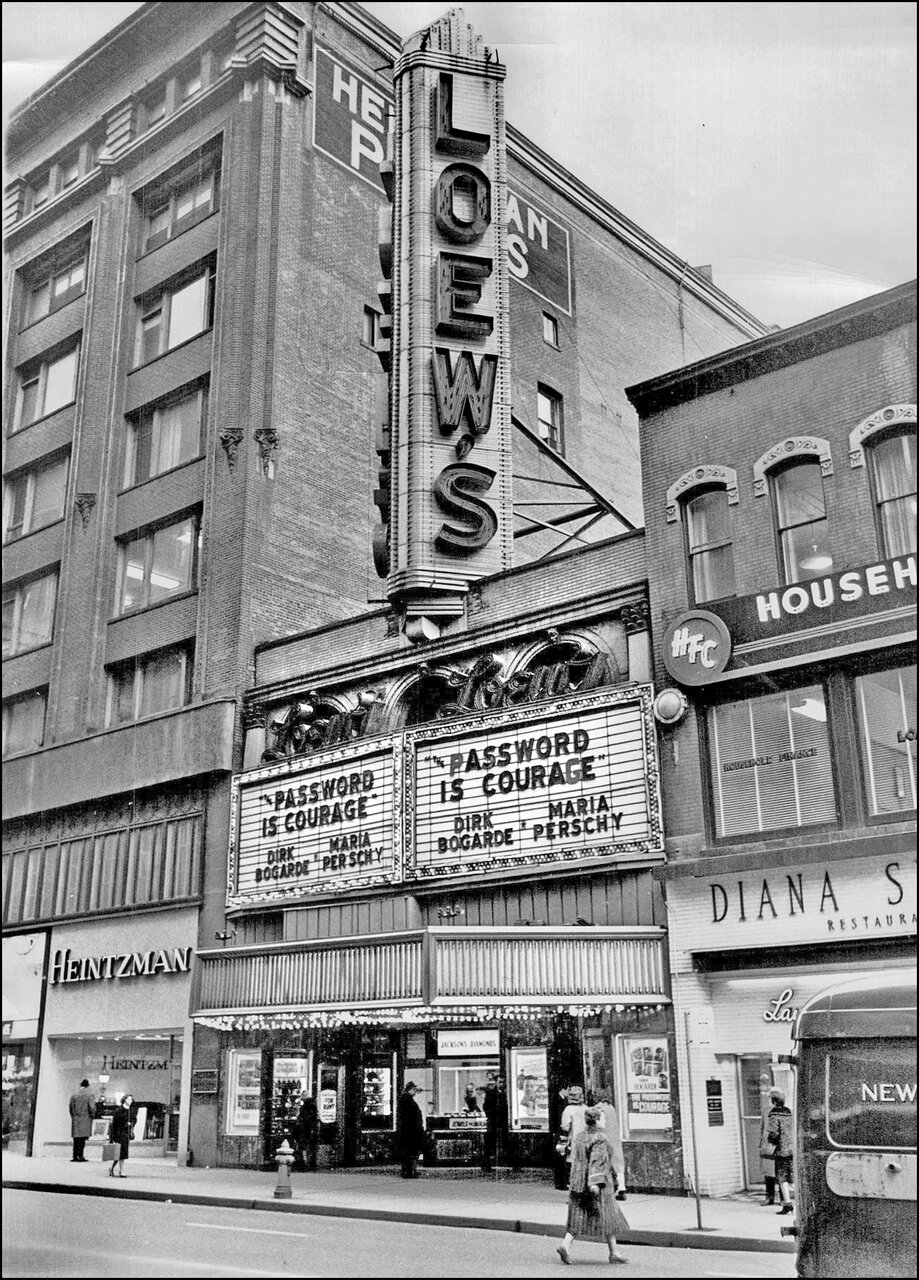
(887,715)
(770,763)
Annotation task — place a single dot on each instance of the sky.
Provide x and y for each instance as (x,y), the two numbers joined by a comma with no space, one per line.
(775,142)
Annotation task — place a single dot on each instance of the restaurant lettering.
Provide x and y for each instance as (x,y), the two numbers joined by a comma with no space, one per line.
(137,964)
(802,893)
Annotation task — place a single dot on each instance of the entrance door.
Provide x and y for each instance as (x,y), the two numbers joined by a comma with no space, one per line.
(755,1083)
(330,1101)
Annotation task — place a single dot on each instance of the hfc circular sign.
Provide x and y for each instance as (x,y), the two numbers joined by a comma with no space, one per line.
(697,647)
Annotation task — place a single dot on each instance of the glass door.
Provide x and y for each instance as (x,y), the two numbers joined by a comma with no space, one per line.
(330,1097)
(755,1083)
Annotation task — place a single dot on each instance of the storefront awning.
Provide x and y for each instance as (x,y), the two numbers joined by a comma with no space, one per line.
(417,974)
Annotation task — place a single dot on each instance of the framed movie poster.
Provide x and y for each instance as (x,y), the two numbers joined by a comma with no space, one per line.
(646,1071)
(528,1089)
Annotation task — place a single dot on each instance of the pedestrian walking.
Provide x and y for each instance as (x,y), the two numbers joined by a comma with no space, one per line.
(494,1104)
(593,1213)
(82,1114)
(609,1122)
(120,1134)
(409,1131)
(781,1138)
(571,1124)
(306,1133)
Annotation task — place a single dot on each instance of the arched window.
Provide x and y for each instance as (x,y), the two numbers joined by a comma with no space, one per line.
(800,513)
(893,477)
(709,545)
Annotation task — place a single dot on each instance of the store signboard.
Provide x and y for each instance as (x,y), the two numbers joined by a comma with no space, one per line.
(538,251)
(323,823)
(472,1043)
(856,900)
(558,782)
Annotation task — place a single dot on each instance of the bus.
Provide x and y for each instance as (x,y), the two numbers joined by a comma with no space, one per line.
(855,1179)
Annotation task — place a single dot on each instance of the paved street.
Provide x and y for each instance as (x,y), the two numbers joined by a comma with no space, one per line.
(48,1234)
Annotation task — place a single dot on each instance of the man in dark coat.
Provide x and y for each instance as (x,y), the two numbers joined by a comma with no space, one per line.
(409,1131)
(82,1113)
(306,1133)
(494,1104)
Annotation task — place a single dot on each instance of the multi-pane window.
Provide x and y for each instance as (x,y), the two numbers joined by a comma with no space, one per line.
(770,762)
(174,316)
(549,329)
(28,613)
(24,722)
(164,436)
(180,209)
(709,545)
(157,564)
(70,172)
(34,498)
(154,862)
(802,523)
(147,684)
(887,716)
(57,290)
(893,469)
(549,418)
(45,386)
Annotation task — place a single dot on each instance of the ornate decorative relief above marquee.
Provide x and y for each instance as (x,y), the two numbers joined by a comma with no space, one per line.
(695,478)
(890,416)
(784,451)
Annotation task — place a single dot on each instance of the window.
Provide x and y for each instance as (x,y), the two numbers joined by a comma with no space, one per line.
(709,545)
(70,172)
(24,722)
(549,329)
(370,332)
(802,522)
(57,290)
(154,110)
(174,317)
(770,762)
(40,191)
(887,716)
(549,418)
(34,498)
(28,613)
(172,213)
(46,386)
(191,84)
(157,564)
(165,436)
(893,473)
(148,684)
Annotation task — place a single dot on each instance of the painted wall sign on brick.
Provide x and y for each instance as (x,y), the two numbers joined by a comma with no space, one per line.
(323,824)
(351,117)
(575,780)
(538,251)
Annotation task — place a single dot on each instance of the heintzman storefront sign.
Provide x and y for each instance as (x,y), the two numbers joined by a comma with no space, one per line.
(561,781)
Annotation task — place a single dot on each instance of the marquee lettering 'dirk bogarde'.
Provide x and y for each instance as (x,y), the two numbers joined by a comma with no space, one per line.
(445,483)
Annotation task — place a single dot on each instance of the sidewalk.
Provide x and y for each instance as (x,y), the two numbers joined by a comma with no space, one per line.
(495,1205)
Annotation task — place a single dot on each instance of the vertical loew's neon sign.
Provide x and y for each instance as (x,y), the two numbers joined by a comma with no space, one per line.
(447,493)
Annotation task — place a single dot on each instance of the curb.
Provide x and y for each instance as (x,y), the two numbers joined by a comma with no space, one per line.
(662,1239)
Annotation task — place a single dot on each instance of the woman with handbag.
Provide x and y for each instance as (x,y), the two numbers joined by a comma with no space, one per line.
(571,1124)
(120,1134)
(593,1213)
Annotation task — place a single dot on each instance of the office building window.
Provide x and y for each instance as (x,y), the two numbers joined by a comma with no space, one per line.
(370,331)
(549,329)
(147,684)
(165,436)
(710,546)
(887,715)
(169,214)
(46,385)
(56,291)
(191,84)
(34,498)
(157,564)
(39,192)
(549,418)
(70,173)
(24,722)
(154,110)
(893,474)
(802,523)
(175,316)
(770,762)
(28,613)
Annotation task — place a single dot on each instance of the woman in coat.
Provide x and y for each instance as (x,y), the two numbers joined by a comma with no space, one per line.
(593,1213)
(120,1134)
(781,1136)
(571,1124)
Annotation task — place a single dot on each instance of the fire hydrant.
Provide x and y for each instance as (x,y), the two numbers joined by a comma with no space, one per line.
(285,1158)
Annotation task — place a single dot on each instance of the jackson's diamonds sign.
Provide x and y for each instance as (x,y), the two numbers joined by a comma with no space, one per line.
(577,779)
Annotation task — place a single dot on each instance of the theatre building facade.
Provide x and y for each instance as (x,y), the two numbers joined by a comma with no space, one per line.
(780,490)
